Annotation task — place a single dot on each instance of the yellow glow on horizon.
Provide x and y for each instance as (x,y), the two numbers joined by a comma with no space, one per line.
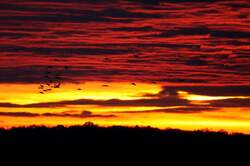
(230,119)
(29,94)
(194,97)
(190,121)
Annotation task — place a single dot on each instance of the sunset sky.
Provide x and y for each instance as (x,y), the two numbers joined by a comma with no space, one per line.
(162,63)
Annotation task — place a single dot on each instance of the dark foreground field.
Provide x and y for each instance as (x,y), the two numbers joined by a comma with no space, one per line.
(90,134)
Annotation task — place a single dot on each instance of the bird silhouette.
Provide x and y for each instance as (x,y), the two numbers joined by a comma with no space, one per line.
(57,85)
(52,79)
(134,84)
(104,85)
(79,89)
(41,87)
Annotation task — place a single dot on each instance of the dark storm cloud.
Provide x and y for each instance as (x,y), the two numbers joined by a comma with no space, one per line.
(231,103)
(236,5)
(119,13)
(37,74)
(83,114)
(138,61)
(74,14)
(138,46)
(190,31)
(158,2)
(62,14)
(53,51)
(133,29)
(14,35)
(196,62)
(230,34)
(19,114)
(9,105)
(241,90)
(27,74)
(58,18)
(184,32)
(81,17)
(183,80)
(190,109)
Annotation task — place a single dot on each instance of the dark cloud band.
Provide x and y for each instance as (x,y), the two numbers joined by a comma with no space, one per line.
(83,114)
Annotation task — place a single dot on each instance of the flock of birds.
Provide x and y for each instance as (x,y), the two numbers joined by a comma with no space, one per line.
(53,79)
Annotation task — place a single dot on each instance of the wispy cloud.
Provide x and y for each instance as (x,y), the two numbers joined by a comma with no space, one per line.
(161,102)
(180,110)
(231,103)
(83,114)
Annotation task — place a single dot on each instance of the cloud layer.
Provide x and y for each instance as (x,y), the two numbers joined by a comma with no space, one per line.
(177,41)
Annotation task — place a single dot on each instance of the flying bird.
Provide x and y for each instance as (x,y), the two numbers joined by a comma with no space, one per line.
(105,85)
(51,80)
(134,84)
(57,85)
(41,87)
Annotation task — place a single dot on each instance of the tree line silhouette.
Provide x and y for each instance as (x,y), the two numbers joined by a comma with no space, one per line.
(90,134)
